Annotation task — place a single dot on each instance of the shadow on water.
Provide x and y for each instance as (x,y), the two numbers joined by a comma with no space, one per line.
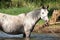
(17,39)
(34,36)
(32,39)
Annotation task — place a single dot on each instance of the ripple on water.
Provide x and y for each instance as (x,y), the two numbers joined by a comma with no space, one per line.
(34,36)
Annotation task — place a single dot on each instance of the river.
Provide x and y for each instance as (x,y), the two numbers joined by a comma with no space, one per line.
(34,36)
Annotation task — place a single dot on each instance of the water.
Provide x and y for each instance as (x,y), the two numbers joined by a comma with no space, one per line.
(34,36)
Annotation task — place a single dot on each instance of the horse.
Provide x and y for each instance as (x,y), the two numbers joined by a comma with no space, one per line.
(22,23)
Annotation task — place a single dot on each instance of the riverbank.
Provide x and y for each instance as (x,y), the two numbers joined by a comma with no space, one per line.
(48,29)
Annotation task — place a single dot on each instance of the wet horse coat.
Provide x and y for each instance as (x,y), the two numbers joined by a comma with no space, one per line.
(23,23)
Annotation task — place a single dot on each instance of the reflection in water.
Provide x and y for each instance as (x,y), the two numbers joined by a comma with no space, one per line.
(27,38)
(33,37)
(17,39)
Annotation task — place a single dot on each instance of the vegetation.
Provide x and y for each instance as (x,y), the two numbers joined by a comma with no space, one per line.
(21,4)
(15,10)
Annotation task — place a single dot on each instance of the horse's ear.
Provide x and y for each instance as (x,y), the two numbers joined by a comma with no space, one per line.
(47,6)
(43,6)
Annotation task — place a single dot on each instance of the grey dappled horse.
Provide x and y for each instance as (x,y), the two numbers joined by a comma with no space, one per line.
(22,23)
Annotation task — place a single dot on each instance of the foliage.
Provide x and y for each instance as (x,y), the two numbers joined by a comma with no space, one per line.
(15,10)
(21,3)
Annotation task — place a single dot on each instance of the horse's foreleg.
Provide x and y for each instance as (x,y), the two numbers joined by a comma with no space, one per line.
(27,30)
(24,35)
(27,34)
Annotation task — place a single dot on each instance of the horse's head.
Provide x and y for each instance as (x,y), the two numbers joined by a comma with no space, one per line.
(44,13)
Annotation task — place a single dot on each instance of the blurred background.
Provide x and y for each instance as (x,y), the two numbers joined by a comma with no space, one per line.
(23,6)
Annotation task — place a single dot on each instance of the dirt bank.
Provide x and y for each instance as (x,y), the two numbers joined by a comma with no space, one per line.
(48,29)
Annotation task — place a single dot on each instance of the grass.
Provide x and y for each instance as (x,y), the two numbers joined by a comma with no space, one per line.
(15,11)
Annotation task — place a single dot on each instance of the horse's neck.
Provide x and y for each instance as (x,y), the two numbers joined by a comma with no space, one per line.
(35,15)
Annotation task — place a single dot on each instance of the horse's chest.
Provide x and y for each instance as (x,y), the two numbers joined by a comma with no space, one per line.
(29,21)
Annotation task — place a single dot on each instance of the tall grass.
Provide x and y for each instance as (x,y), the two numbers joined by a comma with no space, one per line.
(15,10)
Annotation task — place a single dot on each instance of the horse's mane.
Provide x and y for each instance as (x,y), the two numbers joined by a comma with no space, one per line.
(34,13)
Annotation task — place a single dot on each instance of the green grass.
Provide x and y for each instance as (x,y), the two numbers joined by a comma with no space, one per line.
(15,11)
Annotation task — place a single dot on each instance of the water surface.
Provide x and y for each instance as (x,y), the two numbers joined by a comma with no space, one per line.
(34,36)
